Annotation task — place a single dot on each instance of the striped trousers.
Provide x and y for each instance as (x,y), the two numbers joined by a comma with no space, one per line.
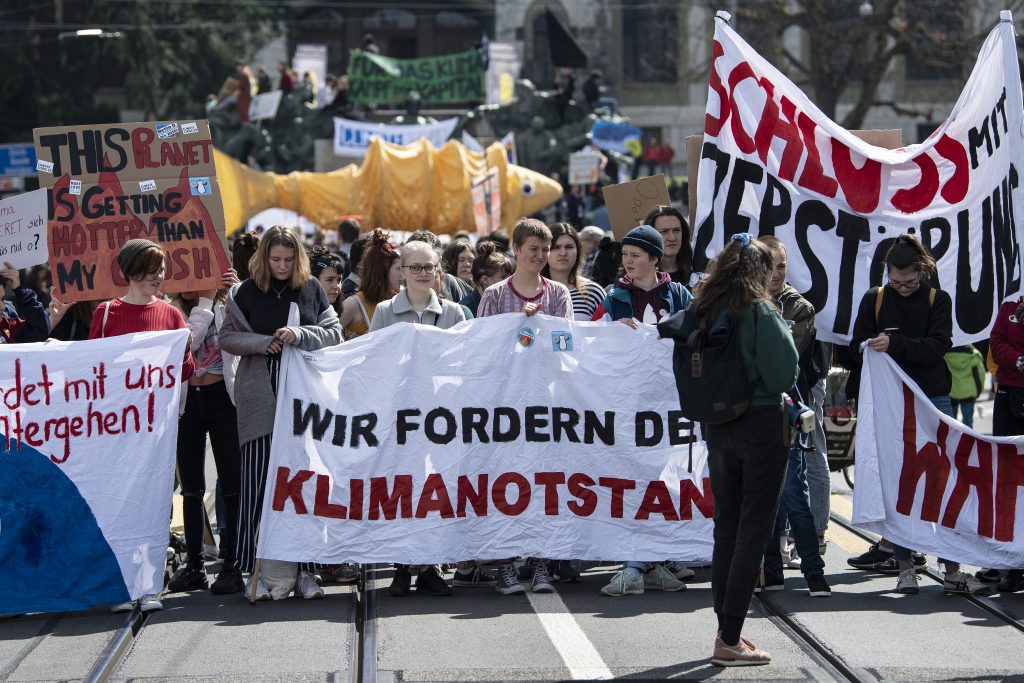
(255,461)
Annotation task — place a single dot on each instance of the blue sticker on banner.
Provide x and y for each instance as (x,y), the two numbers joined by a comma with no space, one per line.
(561,341)
(200,186)
(165,131)
(526,336)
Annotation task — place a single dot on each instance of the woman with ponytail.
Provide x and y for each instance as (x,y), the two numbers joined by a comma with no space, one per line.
(747,456)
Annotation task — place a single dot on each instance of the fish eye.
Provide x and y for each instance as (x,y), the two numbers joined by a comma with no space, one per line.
(528,189)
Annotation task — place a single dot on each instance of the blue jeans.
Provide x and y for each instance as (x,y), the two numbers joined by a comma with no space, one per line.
(966,409)
(945,406)
(795,503)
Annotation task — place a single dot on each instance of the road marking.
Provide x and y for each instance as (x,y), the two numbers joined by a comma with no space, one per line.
(579,654)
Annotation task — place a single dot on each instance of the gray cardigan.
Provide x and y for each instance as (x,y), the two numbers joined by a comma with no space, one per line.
(256,402)
(398,309)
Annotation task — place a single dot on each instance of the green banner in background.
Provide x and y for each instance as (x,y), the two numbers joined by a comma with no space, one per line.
(458,77)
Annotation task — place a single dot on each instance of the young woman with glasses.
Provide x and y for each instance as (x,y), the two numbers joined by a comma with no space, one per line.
(913,323)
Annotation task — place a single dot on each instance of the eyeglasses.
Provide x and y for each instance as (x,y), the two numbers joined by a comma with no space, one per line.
(896,284)
(416,269)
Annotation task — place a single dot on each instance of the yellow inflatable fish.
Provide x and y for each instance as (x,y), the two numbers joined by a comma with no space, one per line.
(397,187)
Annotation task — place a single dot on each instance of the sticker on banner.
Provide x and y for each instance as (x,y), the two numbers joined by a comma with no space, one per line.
(44,166)
(526,336)
(147,185)
(561,341)
(199,186)
(166,131)
(76,187)
(189,128)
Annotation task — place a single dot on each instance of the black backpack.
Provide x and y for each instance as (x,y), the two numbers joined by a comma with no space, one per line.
(710,374)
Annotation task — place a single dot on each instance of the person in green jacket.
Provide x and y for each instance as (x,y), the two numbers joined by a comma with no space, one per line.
(968,370)
(747,457)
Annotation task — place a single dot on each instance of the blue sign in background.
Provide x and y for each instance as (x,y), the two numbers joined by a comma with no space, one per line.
(17,160)
(613,136)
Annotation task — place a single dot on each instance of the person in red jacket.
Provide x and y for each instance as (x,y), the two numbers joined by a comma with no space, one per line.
(1007,347)
(140,310)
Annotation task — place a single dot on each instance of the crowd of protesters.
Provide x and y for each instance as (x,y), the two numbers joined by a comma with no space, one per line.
(367,280)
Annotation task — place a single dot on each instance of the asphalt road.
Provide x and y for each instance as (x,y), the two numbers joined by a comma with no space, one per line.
(479,635)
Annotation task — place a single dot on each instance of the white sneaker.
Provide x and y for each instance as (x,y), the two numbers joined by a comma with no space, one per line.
(122,607)
(262,590)
(308,588)
(959,582)
(907,583)
(150,603)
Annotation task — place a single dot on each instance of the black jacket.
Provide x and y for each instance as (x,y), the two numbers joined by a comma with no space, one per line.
(925,334)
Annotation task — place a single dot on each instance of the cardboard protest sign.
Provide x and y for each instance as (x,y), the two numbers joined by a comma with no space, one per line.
(112,183)
(486,447)
(773,163)
(23,229)
(459,77)
(88,435)
(629,203)
(584,168)
(264,106)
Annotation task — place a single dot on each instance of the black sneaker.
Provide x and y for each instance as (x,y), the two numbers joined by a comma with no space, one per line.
(188,578)
(871,559)
(429,581)
(1012,582)
(562,571)
(818,587)
(771,583)
(891,566)
(229,580)
(400,584)
(988,575)
(474,577)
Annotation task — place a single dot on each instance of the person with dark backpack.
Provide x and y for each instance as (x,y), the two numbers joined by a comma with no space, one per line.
(744,423)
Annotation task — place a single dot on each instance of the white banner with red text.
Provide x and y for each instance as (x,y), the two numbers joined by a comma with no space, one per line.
(928,482)
(88,433)
(501,437)
(773,163)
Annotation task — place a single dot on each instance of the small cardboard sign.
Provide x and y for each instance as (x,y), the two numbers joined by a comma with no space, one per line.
(23,229)
(629,203)
(133,180)
(584,168)
(265,105)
